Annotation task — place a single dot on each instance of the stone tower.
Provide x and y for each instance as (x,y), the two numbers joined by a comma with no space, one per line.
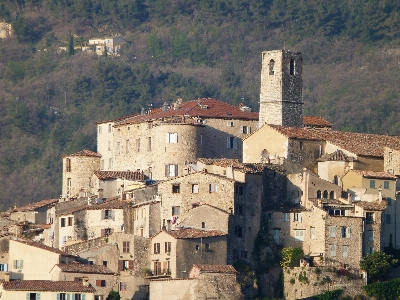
(281,97)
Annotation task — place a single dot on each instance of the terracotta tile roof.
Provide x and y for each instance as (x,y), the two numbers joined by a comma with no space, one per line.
(371,205)
(373,174)
(35,205)
(192,233)
(202,108)
(42,246)
(47,286)
(85,153)
(81,268)
(215,268)
(358,143)
(316,121)
(127,175)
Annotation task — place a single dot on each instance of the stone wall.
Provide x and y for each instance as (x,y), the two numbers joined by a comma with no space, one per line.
(303,282)
(82,246)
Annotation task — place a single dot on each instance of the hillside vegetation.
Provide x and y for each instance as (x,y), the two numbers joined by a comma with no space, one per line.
(49,101)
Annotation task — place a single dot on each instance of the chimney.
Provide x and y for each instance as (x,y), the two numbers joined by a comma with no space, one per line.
(229,172)
(7,277)
(380,195)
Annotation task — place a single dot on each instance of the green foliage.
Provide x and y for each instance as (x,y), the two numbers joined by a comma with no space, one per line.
(113,295)
(384,290)
(291,257)
(377,265)
(303,277)
(328,295)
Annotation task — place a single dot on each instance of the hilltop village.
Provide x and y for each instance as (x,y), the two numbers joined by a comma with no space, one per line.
(176,196)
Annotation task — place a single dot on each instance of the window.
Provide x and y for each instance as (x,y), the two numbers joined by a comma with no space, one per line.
(106,231)
(78,296)
(99,129)
(175,188)
(167,247)
(238,231)
(32,296)
(345,251)
(297,217)
(68,164)
(105,263)
(286,217)
(388,219)
(62,222)
(389,201)
(230,124)
(62,296)
(299,234)
(18,264)
(345,232)
(156,248)
(332,231)
(203,224)
(232,142)
(110,164)
(301,145)
(122,286)
(195,188)
(171,170)
(386,185)
(213,188)
(69,186)
(245,129)
(127,146)
(333,250)
(276,235)
(149,143)
(369,217)
(292,67)
(208,247)
(109,146)
(4,267)
(107,214)
(370,235)
(176,210)
(109,127)
(312,233)
(138,145)
(70,221)
(243,254)
(239,190)
(332,195)
(238,209)
(372,184)
(101,283)
(172,138)
(197,247)
(271,67)
(125,246)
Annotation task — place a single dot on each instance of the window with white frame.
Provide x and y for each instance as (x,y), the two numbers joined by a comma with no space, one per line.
(333,250)
(213,188)
(172,137)
(171,170)
(245,129)
(195,188)
(345,251)
(345,232)
(332,231)
(286,217)
(299,234)
(297,217)
(18,264)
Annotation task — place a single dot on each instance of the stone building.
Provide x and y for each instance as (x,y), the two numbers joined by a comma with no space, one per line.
(98,276)
(77,171)
(36,213)
(162,141)
(281,96)
(199,247)
(5,30)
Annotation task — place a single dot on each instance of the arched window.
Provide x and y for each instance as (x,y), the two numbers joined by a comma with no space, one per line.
(264,156)
(319,194)
(271,67)
(332,195)
(292,67)
(335,179)
(325,196)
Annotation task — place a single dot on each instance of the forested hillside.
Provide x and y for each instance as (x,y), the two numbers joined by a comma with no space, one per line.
(50,101)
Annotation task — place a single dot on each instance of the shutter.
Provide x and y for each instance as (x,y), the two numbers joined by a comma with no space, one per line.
(167,138)
(37,296)
(348,229)
(241,129)
(58,296)
(176,170)
(228,142)
(14,264)
(131,265)
(98,282)
(83,296)
(68,296)
(235,142)
(120,265)
(166,170)
(249,130)
(176,137)
(28,296)
(21,264)
(5,267)
(300,218)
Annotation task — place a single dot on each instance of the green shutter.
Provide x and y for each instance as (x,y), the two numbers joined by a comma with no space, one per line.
(68,296)
(28,296)
(83,296)
(58,296)
(37,296)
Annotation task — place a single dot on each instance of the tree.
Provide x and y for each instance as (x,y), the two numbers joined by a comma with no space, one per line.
(113,295)
(377,265)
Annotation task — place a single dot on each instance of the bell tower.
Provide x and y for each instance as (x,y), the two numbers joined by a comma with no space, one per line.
(281,96)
